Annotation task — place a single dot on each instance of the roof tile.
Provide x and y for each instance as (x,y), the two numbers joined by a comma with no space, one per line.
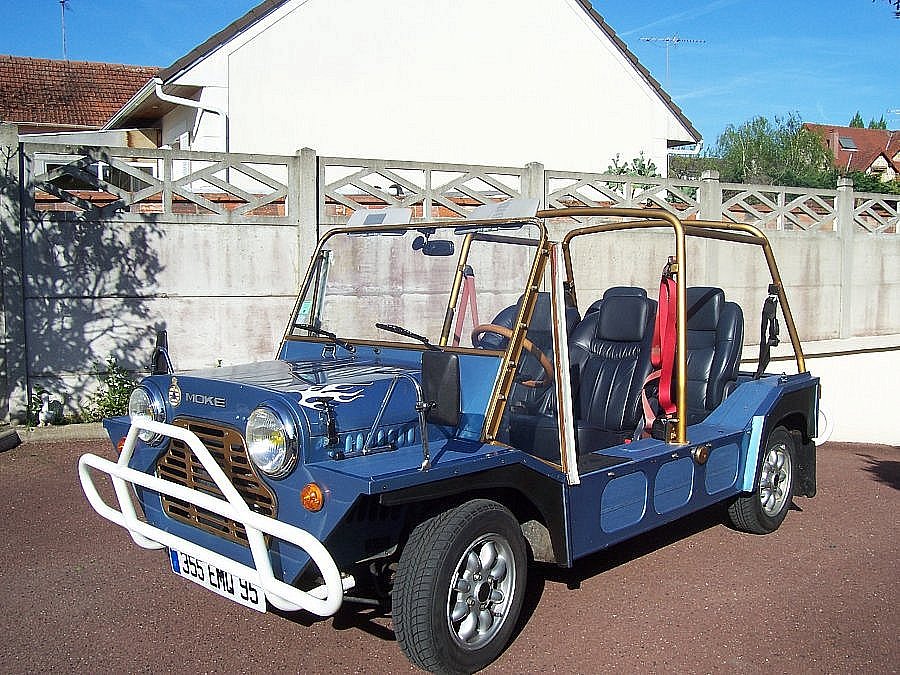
(870,143)
(66,93)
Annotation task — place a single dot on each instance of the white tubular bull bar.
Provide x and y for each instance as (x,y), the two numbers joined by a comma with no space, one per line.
(323,600)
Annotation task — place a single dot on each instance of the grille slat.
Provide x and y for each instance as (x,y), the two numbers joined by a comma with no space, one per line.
(180,466)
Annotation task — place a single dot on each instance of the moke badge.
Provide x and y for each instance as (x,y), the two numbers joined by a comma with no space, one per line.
(174,393)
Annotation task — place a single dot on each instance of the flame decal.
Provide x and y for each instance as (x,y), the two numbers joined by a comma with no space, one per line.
(334,393)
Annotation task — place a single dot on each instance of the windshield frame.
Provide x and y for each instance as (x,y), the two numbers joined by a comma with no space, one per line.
(495,230)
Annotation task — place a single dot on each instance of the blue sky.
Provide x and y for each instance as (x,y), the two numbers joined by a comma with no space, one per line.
(824,59)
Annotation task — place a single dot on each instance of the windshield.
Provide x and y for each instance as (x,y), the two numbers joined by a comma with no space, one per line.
(405,278)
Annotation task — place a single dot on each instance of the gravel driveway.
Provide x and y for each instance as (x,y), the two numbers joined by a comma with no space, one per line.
(820,595)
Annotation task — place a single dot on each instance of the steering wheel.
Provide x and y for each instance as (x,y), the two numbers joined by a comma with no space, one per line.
(526,343)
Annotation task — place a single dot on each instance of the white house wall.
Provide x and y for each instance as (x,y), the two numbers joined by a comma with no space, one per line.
(503,82)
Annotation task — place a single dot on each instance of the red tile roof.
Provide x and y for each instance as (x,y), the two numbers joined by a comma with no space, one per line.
(45,94)
(870,143)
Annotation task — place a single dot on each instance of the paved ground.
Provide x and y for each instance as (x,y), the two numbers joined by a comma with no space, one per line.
(820,595)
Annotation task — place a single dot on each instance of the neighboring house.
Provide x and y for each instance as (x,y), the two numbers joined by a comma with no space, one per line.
(503,83)
(872,151)
(44,96)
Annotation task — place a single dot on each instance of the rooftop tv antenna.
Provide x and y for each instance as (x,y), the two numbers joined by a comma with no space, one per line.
(63,6)
(672,41)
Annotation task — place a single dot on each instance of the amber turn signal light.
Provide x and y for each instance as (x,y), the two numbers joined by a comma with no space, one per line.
(312,498)
(120,444)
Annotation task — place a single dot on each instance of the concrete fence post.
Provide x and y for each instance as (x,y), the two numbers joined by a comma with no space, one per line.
(13,361)
(709,198)
(303,202)
(845,224)
(533,183)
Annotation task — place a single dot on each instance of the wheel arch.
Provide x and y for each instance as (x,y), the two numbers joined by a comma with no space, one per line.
(796,412)
(535,500)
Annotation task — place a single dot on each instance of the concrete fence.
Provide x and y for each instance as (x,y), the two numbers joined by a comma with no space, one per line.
(102,246)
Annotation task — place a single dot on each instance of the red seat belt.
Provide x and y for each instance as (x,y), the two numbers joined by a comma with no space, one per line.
(662,355)
(468,299)
(664,341)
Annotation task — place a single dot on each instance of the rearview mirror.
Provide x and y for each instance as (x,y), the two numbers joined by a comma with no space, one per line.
(438,247)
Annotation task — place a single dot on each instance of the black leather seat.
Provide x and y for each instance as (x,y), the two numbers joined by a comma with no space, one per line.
(539,332)
(609,353)
(715,336)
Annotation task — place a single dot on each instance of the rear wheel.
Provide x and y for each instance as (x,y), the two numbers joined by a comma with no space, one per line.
(764,509)
(459,588)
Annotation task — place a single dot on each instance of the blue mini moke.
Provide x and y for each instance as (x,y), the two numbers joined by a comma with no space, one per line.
(400,449)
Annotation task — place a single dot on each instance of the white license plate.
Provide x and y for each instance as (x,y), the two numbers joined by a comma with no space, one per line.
(219,581)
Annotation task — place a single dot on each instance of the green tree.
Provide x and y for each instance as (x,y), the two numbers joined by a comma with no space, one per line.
(866,182)
(689,167)
(857,121)
(779,151)
(880,124)
(639,166)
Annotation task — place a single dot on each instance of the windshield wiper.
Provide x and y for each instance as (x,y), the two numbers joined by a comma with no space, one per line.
(400,330)
(327,333)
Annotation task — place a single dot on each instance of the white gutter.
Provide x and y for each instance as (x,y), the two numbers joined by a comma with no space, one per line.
(688,153)
(189,102)
(154,86)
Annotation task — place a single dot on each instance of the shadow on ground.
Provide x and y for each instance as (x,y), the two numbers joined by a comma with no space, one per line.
(372,620)
(885,471)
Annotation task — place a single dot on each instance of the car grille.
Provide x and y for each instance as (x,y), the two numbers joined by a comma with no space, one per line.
(226,445)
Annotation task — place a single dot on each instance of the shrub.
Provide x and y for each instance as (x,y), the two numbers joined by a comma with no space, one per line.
(34,405)
(111,399)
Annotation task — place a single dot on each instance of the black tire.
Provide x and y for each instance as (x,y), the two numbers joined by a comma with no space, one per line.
(479,548)
(763,510)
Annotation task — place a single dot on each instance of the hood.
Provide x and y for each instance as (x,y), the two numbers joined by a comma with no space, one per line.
(354,389)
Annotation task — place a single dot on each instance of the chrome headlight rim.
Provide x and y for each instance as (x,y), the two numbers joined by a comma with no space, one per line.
(291,436)
(156,410)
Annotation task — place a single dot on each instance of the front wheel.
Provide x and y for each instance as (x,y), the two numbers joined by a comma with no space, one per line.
(763,511)
(459,588)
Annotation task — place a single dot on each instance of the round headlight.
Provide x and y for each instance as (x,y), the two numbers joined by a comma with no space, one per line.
(142,404)
(271,444)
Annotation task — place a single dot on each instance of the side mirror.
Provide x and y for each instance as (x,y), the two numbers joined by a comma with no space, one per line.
(440,387)
(160,363)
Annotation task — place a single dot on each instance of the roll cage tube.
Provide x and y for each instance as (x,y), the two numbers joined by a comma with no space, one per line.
(722,231)
(654,218)
(462,264)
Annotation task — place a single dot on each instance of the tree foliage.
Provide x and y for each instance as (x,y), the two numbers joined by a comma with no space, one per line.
(779,151)
(896,5)
(111,398)
(857,122)
(639,166)
(691,167)
(867,182)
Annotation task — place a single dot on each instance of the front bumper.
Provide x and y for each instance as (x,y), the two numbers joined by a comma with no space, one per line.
(323,600)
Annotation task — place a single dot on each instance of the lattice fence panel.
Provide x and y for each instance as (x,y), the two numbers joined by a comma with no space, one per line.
(579,189)
(132,184)
(433,191)
(779,208)
(877,213)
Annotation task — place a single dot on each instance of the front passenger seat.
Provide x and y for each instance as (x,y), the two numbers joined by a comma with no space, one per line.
(609,353)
